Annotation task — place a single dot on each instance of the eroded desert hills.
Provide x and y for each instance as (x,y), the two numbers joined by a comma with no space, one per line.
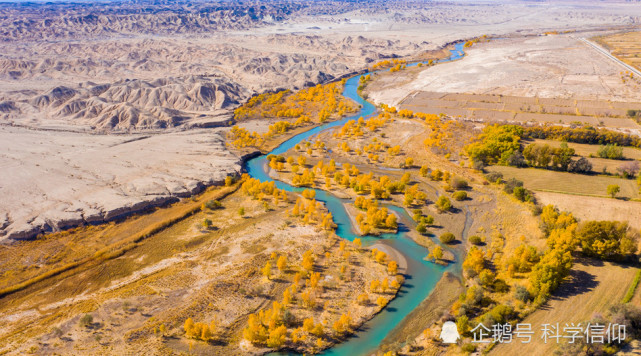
(109,109)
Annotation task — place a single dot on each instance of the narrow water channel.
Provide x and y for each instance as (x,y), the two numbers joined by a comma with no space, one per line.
(420,277)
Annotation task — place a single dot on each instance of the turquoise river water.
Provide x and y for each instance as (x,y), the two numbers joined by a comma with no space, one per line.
(420,277)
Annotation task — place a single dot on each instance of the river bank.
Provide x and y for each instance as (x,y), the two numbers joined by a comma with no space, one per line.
(430,311)
(421,277)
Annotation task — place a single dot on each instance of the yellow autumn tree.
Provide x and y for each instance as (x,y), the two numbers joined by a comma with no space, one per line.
(267,270)
(343,324)
(392,267)
(282,263)
(277,337)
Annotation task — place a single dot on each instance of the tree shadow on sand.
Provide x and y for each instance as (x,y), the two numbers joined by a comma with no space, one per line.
(578,282)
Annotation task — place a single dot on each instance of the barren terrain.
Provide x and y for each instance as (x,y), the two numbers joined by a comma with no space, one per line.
(552,66)
(59,180)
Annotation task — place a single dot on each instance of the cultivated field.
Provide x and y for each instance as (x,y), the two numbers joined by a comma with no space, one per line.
(523,109)
(594,208)
(569,183)
(590,153)
(585,150)
(625,46)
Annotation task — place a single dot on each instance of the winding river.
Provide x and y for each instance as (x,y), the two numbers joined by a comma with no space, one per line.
(420,277)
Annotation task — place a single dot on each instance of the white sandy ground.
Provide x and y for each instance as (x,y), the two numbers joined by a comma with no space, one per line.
(63,178)
(544,66)
(393,254)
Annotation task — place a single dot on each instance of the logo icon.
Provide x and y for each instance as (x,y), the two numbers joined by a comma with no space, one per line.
(449,333)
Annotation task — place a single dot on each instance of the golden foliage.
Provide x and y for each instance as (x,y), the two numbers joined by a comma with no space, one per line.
(375,218)
(199,331)
(320,102)
(343,325)
(388,63)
